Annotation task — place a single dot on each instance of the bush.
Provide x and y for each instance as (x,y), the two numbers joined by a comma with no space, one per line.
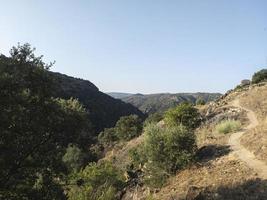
(200,101)
(184,114)
(169,148)
(128,127)
(228,126)
(154,118)
(107,136)
(73,158)
(96,182)
(260,76)
(125,129)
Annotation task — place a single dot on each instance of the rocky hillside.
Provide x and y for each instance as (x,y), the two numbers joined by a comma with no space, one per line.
(231,164)
(152,103)
(104,110)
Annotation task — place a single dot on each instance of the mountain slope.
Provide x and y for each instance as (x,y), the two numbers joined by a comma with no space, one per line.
(152,103)
(119,95)
(104,110)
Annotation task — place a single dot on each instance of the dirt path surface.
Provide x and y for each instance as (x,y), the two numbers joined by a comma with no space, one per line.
(241,152)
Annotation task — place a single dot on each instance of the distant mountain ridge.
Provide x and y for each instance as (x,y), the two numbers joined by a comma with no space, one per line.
(104,110)
(151,103)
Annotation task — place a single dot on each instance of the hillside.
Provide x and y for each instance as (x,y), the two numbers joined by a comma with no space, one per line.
(104,111)
(152,103)
(230,166)
(119,95)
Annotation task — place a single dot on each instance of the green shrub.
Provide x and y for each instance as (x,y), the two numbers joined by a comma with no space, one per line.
(228,126)
(185,114)
(96,182)
(154,118)
(73,158)
(200,101)
(259,76)
(170,148)
(154,176)
(163,152)
(128,127)
(107,136)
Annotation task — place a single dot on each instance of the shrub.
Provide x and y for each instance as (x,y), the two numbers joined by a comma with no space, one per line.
(154,176)
(128,127)
(96,182)
(154,118)
(228,126)
(259,76)
(200,101)
(107,136)
(73,158)
(184,114)
(170,148)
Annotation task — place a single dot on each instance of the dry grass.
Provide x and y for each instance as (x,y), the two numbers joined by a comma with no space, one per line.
(224,171)
(228,126)
(256,140)
(119,155)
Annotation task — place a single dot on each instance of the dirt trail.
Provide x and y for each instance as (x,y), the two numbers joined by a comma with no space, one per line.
(241,152)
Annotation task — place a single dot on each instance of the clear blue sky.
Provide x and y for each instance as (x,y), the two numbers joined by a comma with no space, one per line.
(144,46)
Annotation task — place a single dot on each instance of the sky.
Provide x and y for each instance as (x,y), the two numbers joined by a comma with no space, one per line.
(143,46)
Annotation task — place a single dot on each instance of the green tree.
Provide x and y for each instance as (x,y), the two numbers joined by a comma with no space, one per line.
(99,181)
(35,128)
(259,76)
(185,114)
(128,127)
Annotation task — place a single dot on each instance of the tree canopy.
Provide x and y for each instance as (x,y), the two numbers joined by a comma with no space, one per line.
(35,128)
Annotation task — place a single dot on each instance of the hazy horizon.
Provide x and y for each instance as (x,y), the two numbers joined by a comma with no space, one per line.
(144,46)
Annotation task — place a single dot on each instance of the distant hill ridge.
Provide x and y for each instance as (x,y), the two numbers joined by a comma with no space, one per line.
(104,110)
(151,103)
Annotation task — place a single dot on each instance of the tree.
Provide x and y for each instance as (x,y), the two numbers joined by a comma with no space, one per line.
(35,128)
(259,76)
(128,127)
(96,182)
(184,114)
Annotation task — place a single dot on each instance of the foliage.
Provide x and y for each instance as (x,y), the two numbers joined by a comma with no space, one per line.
(184,114)
(73,158)
(128,127)
(96,182)
(107,136)
(171,148)
(163,152)
(125,129)
(200,101)
(159,103)
(228,126)
(260,76)
(104,111)
(154,118)
(35,128)
(154,176)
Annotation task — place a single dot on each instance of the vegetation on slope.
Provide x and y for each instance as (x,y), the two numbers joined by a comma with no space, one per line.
(35,128)
(153,103)
(104,111)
